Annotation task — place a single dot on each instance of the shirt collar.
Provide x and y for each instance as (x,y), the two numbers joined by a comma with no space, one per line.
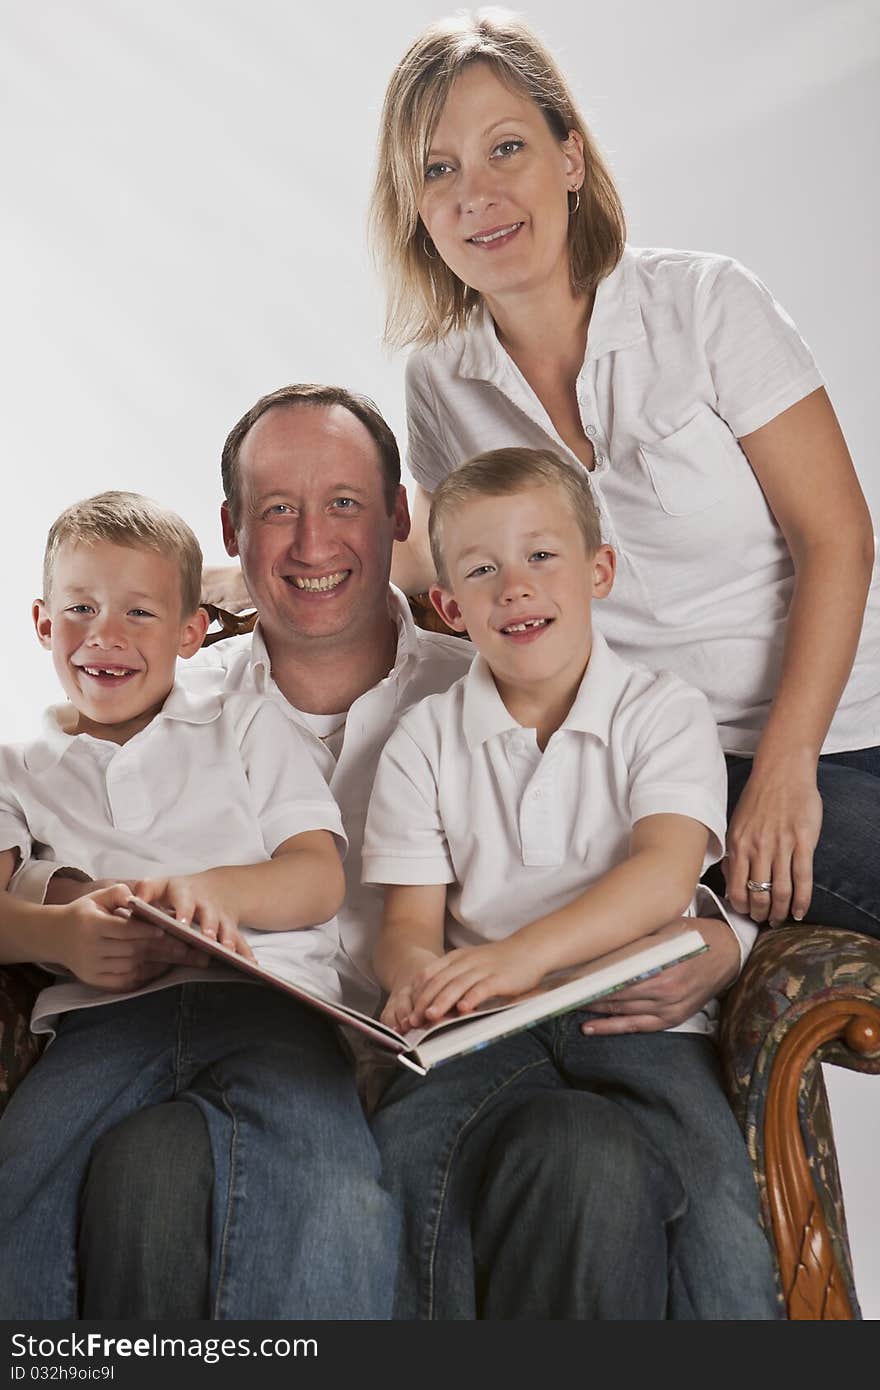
(407,643)
(616,322)
(57,736)
(484,713)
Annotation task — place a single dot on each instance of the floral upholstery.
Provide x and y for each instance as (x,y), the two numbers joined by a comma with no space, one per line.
(794,977)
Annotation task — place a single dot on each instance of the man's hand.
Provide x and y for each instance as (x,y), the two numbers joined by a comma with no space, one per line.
(185,897)
(104,947)
(465,978)
(667,999)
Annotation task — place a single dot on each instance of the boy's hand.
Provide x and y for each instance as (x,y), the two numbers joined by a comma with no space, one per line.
(103,947)
(398,1009)
(185,898)
(465,978)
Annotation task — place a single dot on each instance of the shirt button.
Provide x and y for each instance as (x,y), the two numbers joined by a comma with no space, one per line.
(591,430)
(600,458)
(537,794)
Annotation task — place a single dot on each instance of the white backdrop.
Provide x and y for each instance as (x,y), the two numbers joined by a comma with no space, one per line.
(185,201)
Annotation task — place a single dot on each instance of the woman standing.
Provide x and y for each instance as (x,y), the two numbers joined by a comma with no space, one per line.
(744,543)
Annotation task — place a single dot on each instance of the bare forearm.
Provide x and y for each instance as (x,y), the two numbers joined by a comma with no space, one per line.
(298,889)
(631,901)
(29,932)
(822,635)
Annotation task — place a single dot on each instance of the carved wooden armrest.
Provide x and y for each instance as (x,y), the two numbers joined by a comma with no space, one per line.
(19,1048)
(807,995)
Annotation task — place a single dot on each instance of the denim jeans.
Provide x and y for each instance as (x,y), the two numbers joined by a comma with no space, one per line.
(846,864)
(553,1175)
(300,1225)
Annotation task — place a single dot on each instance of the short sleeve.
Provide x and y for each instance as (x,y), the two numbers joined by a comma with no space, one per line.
(289,794)
(427,458)
(676,766)
(759,363)
(13,825)
(404,840)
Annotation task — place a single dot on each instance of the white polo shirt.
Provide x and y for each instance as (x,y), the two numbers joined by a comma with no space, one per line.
(346,749)
(463,795)
(686,353)
(211,780)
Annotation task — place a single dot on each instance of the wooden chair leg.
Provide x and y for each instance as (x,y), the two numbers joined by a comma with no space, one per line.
(811,1280)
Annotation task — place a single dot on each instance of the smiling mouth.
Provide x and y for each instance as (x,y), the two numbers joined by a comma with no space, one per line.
(527,625)
(322,585)
(486,238)
(113,672)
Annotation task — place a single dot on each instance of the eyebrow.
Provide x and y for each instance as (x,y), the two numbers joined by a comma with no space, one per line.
(505,120)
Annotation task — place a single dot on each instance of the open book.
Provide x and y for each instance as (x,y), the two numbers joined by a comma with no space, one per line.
(422,1048)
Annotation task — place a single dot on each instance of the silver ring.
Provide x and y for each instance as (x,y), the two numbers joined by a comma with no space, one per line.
(754,887)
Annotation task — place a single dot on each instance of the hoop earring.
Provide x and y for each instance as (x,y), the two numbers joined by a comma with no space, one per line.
(577,201)
(426,243)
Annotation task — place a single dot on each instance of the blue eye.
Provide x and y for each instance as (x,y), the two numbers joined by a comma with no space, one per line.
(479,571)
(541,555)
(436,171)
(80,608)
(141,613)
(278,509)
(507,148)
(345,504)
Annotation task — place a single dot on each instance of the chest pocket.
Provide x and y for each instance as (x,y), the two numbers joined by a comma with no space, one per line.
(694,468)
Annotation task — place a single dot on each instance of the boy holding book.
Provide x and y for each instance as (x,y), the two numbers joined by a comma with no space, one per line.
(212,808)
(553,805)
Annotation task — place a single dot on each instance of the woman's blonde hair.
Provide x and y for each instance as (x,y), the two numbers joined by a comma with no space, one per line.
(425,300)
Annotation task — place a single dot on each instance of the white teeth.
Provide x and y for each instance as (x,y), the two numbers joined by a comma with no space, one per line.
(524,627)
(494,236)
(327,581)
(104,671)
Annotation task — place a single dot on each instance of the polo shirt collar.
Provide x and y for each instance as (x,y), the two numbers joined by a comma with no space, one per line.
(57,736)
(484,713)
(616,322)
(407,643)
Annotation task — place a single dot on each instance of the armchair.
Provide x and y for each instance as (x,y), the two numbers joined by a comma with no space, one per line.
(808,995)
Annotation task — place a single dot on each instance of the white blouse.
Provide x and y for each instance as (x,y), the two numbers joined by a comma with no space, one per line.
(686,353)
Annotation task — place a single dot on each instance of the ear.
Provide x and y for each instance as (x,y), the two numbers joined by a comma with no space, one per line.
(230,539)
(401,515)
(192,633)
(42,623)
(447,607)
(604,564)
(575,164)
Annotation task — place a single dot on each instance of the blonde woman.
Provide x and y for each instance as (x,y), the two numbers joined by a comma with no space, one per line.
(745,548)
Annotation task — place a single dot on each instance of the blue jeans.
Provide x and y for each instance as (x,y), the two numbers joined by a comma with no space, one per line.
(846,876)
(300,1225)
(553,1175)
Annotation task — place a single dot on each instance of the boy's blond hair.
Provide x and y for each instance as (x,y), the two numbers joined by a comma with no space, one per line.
(126,518)
(502,472)
(425,299)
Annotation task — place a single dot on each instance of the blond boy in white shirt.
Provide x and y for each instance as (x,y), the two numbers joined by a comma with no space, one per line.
(214,809)
(553,805)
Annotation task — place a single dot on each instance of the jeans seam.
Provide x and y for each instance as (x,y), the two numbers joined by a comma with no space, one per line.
(230,1193)
(445,1175)
(842,898)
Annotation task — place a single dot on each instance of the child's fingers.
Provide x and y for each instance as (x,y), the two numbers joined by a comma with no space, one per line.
(450,994)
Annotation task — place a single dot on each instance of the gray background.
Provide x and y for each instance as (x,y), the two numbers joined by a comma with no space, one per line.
(185,200)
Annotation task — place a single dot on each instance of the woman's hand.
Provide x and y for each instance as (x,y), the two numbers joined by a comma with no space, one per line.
(771,839)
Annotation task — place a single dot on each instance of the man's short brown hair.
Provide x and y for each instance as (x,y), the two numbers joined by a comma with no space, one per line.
(305,393)
(502,472)
(126,518)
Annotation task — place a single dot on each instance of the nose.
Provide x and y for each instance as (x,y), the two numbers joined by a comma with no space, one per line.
(477,189)
(514,583)
(312,542)
(106,631)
